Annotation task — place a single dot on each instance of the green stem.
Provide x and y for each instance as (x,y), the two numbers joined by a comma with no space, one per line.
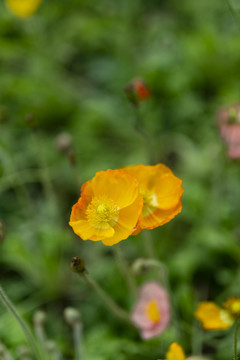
(233,10)
(109,302)
(235,356)
(125,269)
(8,304)
(78,343)
(148,244)
(40,334)
(149,141)
(46,176)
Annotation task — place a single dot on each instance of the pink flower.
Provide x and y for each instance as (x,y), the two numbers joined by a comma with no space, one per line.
(229,126)
(151,314)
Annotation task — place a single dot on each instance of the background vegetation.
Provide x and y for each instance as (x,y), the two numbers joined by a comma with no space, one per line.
(64,70)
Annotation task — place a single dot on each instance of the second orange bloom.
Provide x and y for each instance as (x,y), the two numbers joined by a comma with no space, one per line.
(161,191)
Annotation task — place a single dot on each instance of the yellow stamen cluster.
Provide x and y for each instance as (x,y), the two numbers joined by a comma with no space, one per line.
(149,202)
(102,213)
(152,311)
(232,305)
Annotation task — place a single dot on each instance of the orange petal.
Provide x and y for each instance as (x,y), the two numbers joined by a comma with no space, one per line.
(78,211)
(147,175)
(159,217)
(212,317)
(128,218)
(117,185)
(137,230)
(82,229)
(175,352)
(232,305)
(168,190)
(87,232)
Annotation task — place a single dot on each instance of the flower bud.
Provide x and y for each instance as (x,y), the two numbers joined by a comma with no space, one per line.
(72,316)
(51,347)
(23,352)
(2,350)
(142,266)
(31,121)
(63,142)
(228,120)
(72,157)
(78,265)
(137,91)
(3,114)
(39,318)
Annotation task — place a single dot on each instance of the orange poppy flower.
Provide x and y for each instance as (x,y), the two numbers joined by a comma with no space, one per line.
(213,317)
(161,191)
(109,207)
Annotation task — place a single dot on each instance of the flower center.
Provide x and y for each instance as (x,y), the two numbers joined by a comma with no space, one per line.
(102,213)
(233,306)
(152,311)
(149,202)
(225,317)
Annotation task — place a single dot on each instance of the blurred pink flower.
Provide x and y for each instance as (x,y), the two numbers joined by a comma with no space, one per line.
(151,313)
(229,126)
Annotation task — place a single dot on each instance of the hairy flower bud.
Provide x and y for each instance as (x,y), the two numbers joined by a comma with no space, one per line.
(137,91)
(78,265)
(31,121)
(63,142)
(39,318)
(4,116)
(72,316)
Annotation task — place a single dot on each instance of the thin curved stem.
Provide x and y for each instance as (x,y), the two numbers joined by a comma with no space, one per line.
(125,269)
(148,244)
(110,303)
(8,304)
(233,10)
(235,333)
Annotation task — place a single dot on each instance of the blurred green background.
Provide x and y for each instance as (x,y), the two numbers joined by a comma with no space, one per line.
(64,70)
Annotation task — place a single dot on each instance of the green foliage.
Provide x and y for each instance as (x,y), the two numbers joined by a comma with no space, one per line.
(67,66)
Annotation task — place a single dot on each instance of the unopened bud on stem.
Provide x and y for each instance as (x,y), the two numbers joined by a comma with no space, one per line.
(63,142)
(40,318)
(72,316)
(78,265)
(31,121)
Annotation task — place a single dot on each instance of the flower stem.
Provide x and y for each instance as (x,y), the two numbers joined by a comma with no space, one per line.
(48,187)
(8,304)
(148,244)
(125,269)
(109,302)
(233,10)
(235,356)
(78,343)
(149,141)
